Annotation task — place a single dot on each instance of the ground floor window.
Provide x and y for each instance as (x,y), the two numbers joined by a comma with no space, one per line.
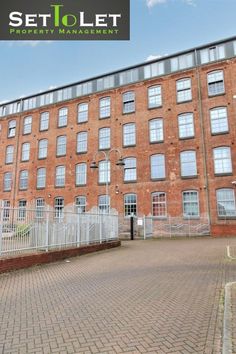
(6,210)
(130,204)
(59,207)
(104,203)
(226,202)
(80,203)
(159,204)
(190,204)
(22,209)
(40,208)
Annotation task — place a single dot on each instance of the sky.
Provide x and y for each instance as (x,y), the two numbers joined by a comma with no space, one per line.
(158,27)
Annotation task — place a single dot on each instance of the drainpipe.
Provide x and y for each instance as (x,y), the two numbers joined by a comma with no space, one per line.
(203,136)
(16,155)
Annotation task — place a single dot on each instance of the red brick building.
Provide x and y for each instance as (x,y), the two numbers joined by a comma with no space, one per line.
(173,121)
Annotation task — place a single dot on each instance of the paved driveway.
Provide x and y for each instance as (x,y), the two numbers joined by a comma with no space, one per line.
(145,297)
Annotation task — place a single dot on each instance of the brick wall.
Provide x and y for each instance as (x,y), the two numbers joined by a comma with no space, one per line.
(173,185)
(26,261)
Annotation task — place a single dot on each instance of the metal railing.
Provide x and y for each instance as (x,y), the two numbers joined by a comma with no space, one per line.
(30,230)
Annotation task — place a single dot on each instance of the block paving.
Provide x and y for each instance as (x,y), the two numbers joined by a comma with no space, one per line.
(155,296)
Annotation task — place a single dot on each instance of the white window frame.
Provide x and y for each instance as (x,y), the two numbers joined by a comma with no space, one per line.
(130,169)
(219,120)
(130,205)
(25,152)
(156,130)
(60,176)
(215,83)
(44,121)
(154,96)
(186,125)
(104,138)
(188,163)
(158,166)
(83,109)
(82,142)
(220,162)
(43,149)
(27,127)
(61,145)
(184,90)
(189,202)
(41,177)
(62,117)
(9,157)
(159,205)
(128,102)
(105,107)
(81,174)
(222,200)
(129,134)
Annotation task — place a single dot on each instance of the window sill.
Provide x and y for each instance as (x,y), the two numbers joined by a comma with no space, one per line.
(217,94)
(81,152)
(40,188)
(63,126)
(103,183)
(158,179)
(8,163)
(104,149)
(86,121)
(226,217)
(220,133)
(127,113)
(223,174)
(187,101)
(129,146)
(191,217)
(61,155)
(58,187)
(81,185)
(101,118)
(157,142)
(187,138)
(42,158)
(127,182)
(156,107)
(189,177)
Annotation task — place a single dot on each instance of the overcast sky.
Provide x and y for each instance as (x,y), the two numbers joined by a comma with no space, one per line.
(158,27)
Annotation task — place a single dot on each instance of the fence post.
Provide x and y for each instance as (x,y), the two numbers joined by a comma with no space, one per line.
(47,229)
(131,227)
(144,227)
(189,227)
(100,227)
(170,226)
(1,225)
(78,230)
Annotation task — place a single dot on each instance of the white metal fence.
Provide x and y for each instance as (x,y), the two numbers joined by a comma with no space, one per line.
(153,227)
(24,230)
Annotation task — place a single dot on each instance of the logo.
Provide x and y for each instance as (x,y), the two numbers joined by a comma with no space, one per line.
(68,20)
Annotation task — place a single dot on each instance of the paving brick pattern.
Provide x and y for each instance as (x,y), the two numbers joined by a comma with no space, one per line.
(233,301)
(145,297)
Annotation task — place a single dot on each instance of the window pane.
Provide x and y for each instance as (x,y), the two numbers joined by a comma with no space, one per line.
(130,171)
(190,204)
(62,119)
(44,121)
(105,107)
(219,120)
(184,92)
(82,112)
(41,178)
(222,160)
(186,125)
(158,166)
(159,204)
(27,125)
(80,203)
(61,145)
(104,138)
(226,202)
(104,172)
(81,174)
(154,97)
(104,203)
(25,152)
(130,204)
(9,154)
(156,130)
(60,176)
(188,164)
(43,149)
(129,134)
(82,142)
(128,102)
